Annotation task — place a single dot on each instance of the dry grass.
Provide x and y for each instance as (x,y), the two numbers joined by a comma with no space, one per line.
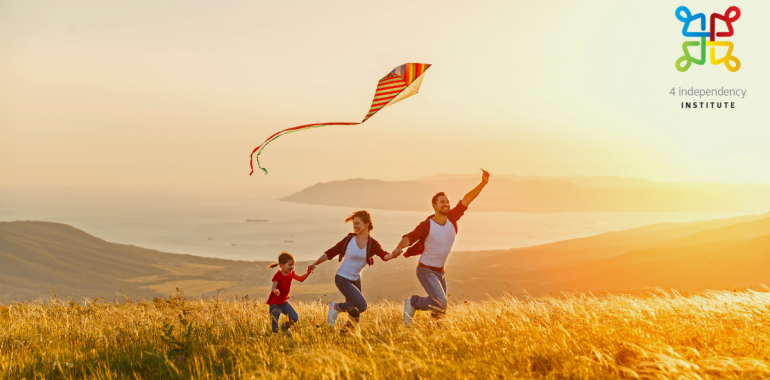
(715,334)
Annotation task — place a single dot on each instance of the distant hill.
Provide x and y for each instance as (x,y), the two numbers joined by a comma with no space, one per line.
(609,182)
(715,265)
(625,261)
(687,257)
(533,194)
(36,257)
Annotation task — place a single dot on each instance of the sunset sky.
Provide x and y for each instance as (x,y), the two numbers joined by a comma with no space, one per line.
(178,93)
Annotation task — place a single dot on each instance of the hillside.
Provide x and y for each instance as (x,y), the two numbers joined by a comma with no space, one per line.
(713,255)
(524,194)
(36,257)
(708,266)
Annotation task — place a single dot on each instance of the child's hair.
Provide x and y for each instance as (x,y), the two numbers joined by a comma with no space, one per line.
(283,258)
(364,216)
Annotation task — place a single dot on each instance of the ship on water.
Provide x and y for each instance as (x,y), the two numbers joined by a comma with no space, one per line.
(256,220)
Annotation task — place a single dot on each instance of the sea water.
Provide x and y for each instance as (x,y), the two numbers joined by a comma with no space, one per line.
(218,228)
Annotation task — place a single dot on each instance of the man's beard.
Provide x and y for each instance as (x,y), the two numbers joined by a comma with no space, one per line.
(442,211)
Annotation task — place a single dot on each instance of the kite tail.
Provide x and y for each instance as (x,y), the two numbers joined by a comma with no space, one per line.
(258,150)
(251,161)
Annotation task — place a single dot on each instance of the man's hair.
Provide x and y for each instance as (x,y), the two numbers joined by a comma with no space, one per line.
(435,197)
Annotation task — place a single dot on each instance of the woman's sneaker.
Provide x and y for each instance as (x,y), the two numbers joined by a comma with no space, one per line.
(408,311)
(348,328)
(332,314)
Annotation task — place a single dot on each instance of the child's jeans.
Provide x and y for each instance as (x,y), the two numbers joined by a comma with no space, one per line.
(284,308)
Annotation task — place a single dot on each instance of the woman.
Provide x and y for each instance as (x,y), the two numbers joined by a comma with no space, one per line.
(355,251)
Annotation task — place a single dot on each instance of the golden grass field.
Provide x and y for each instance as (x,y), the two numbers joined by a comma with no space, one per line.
(711,334)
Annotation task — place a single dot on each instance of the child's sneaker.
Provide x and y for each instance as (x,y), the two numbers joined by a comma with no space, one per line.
(408,311)
(332,314)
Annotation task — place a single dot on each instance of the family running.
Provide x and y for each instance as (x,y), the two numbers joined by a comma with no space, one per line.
(432,240)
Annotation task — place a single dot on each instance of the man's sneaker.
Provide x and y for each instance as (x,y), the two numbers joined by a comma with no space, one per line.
(332,314)
(288,332)
(408,311)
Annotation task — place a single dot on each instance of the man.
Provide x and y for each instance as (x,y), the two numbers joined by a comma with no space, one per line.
(433,240)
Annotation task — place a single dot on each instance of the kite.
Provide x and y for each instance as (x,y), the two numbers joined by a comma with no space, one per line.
(401,83)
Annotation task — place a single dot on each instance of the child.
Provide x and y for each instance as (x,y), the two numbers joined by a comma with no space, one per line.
(279,295)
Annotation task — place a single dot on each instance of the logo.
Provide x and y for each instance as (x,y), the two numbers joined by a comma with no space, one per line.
(729,17)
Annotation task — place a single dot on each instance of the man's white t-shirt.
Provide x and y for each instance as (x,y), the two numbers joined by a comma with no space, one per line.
(438,244)
(354,261)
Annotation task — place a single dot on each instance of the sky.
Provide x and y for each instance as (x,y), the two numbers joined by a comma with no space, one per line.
(176,94)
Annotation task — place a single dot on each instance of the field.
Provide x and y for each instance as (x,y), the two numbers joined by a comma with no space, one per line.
(712,334)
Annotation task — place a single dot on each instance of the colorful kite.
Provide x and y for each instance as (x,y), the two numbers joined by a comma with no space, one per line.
(401,83)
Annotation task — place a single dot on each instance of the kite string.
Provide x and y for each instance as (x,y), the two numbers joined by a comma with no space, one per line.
(450,131)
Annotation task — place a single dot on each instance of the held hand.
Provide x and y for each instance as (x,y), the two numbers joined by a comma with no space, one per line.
(397,252)
(311,268)
(484,176)
(277,292)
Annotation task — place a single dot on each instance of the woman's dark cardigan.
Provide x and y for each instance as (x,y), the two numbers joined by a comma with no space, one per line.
(373,248)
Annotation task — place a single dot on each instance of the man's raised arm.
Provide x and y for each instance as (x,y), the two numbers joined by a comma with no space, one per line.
(468,198)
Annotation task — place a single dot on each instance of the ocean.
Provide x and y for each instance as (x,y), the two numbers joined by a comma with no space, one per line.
(219,228)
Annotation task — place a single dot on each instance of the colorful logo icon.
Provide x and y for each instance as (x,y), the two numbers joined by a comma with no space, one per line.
(684,15)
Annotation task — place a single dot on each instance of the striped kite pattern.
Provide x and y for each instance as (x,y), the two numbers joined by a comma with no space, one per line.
(387,89)
(410,71)
(390,89)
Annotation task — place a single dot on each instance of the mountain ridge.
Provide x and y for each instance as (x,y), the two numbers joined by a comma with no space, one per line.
(538,195)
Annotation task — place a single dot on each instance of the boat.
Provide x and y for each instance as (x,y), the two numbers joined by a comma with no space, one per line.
(288,241)
(211,238)
(234,245)
(256,220)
